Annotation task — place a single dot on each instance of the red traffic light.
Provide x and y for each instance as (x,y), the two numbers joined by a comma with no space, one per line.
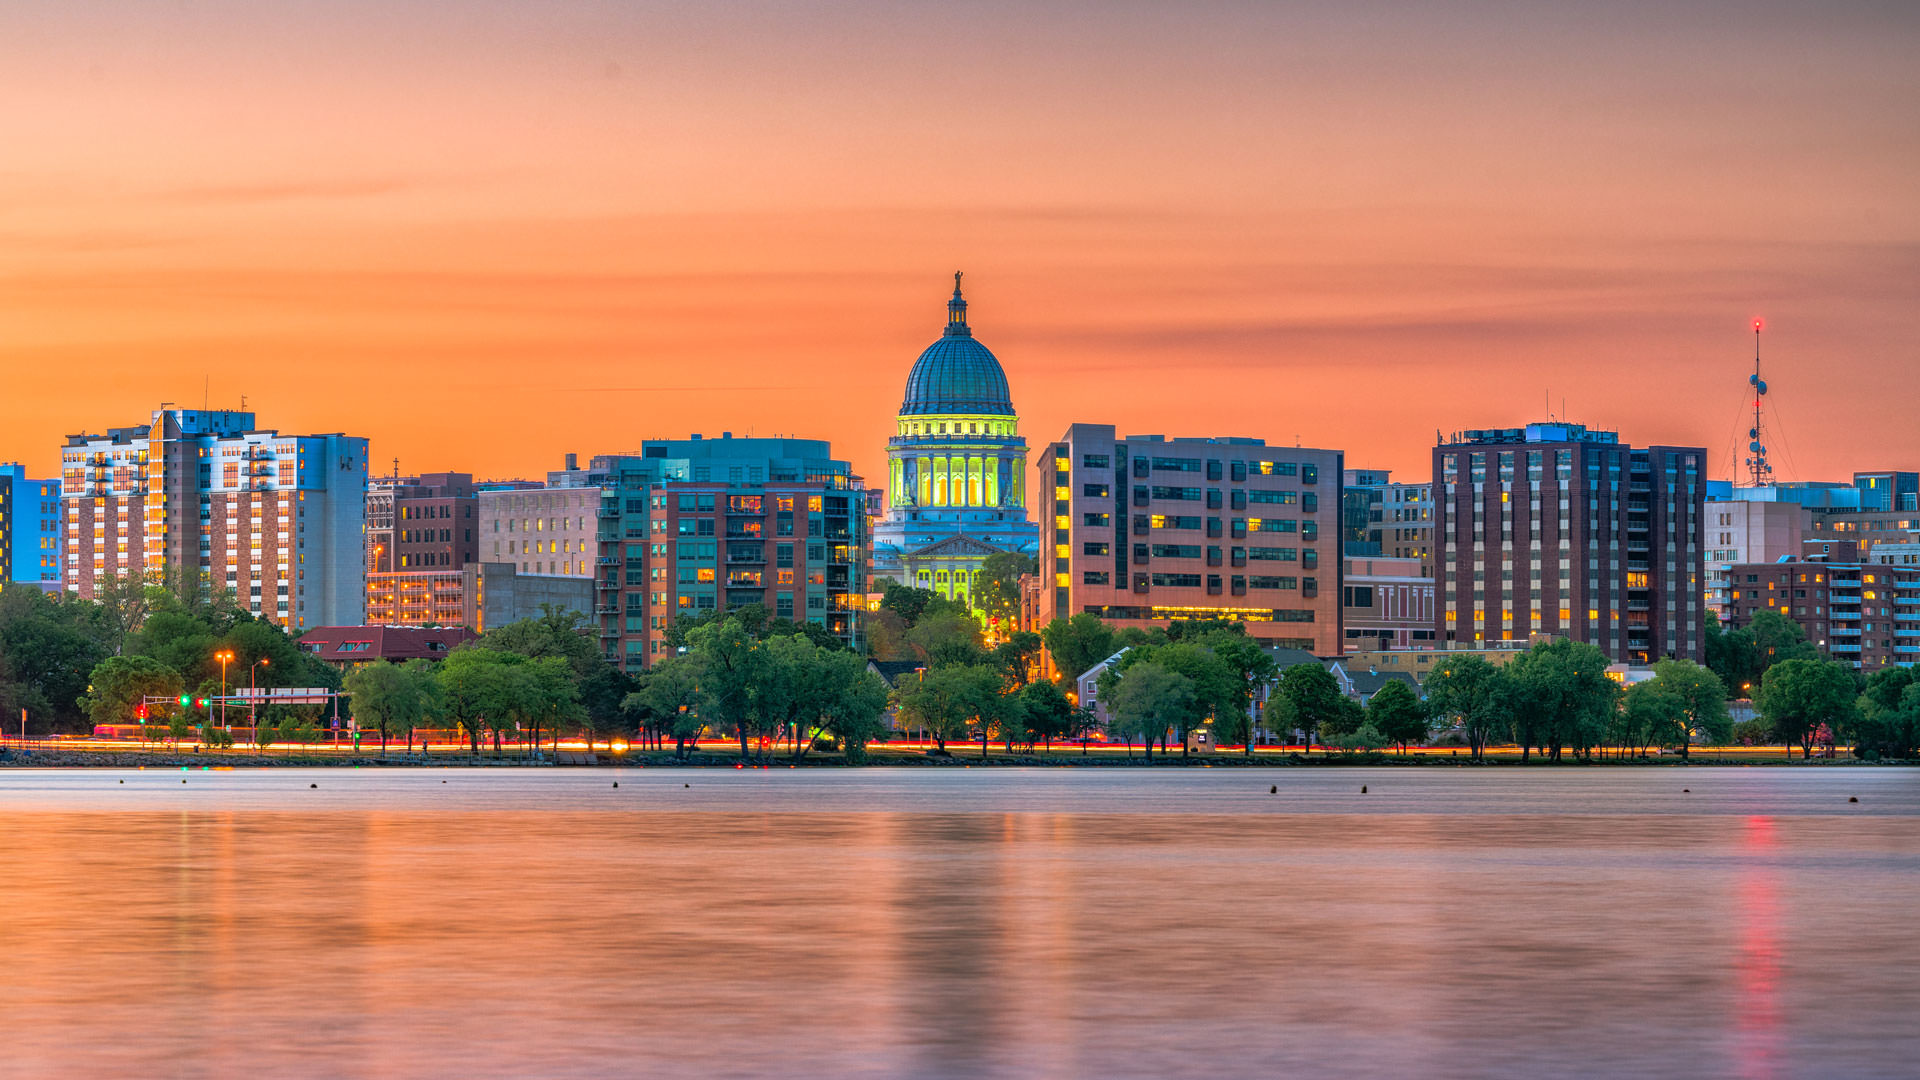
(140,712)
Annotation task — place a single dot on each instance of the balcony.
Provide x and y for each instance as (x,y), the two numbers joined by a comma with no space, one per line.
(606,609)
(607,512)
(1845,631)
(743,558)
(1840,648)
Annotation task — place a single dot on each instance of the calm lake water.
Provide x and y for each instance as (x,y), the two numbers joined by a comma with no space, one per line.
(960,923)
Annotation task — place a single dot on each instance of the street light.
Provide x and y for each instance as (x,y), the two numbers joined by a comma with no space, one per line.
(253,700)
(225,656)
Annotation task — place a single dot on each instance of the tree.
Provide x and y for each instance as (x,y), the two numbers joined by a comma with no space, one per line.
(886,634)
(1888,715)
(1703,700)
(1563,696)
(1017,656)
(556,631)
(1216,688)
(1397,714)
(856,711)
(381,693)
(1742,656)
(602,693)
(1278,717)
(1049,713)
(1650,715)
(48,648)
(669,699)
(1001,716)
(795,689)
(732,668)
(1476,694)
(1253,669)
(947,639)
(1148,699)
(1077,643)
(1799,696)
(470,686)
(997,590)
(1313,696)
(118,684)
(948,701)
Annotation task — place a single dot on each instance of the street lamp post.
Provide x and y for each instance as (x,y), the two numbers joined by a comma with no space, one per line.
(225,656)
(253,700)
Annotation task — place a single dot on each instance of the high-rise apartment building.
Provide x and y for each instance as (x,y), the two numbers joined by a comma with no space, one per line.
(29,528)
(1558,530)
(279,519)
(1146,530)
(700,526)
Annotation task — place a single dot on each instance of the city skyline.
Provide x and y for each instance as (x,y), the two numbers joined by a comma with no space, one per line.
(602,227)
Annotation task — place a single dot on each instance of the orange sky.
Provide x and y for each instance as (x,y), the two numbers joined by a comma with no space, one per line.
(485,234)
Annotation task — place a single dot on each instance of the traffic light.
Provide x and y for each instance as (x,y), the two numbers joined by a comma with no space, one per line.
(139,712)
(200,702)
(186,700)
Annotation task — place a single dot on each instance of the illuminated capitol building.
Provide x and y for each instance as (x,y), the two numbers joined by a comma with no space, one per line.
(956,468)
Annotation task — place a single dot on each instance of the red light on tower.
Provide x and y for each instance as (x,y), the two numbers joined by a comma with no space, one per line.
(1759,324)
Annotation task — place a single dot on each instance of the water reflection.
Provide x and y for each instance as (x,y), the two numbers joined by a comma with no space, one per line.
(542,928)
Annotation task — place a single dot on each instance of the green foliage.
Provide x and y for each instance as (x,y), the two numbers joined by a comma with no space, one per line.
(1703,701)
(1077,643)
(394,699)
(1048,712)
(119,682)
(1888,723)
(49,645)
(733,668)
(1147,699)
(1650,715)
(668,700)
(1563,698)
(215,737)
(947,639)
(1741,657)
(855,713)
(555,632)
(1799,696)
(997,591)
(1752,733)
(913,604)
(1016,657)
(1217,688)
(1397,714)
(1313,699)
(1474,694)
(948,702)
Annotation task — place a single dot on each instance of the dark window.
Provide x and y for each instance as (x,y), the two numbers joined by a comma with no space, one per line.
(1093,547)
(1093,577)
(1096,520)
(1093,461)
(1177,581)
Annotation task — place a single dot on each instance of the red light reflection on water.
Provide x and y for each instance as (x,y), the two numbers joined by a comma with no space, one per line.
(1757,1018)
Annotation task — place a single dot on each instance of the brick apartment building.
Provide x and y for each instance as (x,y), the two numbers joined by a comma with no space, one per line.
(1560,530)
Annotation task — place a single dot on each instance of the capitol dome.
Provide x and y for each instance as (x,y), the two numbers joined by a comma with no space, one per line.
(957,374)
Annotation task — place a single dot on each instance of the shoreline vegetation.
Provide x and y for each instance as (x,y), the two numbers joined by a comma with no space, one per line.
(149,671)
(58,757)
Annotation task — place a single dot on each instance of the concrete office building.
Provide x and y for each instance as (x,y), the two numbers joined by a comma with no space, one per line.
(1145,530)
(279,519)
(1559,530)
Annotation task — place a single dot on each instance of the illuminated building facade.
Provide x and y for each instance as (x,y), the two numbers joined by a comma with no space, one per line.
(278,519)
(1863,613)
(1146,530)
(420,534)
(1558,530)
(700,526)
(956,469)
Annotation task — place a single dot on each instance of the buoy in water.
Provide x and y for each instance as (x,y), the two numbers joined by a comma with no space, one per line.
(1363,789)
(313,785)
(616,783)
(1274,790)
(1853,798)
